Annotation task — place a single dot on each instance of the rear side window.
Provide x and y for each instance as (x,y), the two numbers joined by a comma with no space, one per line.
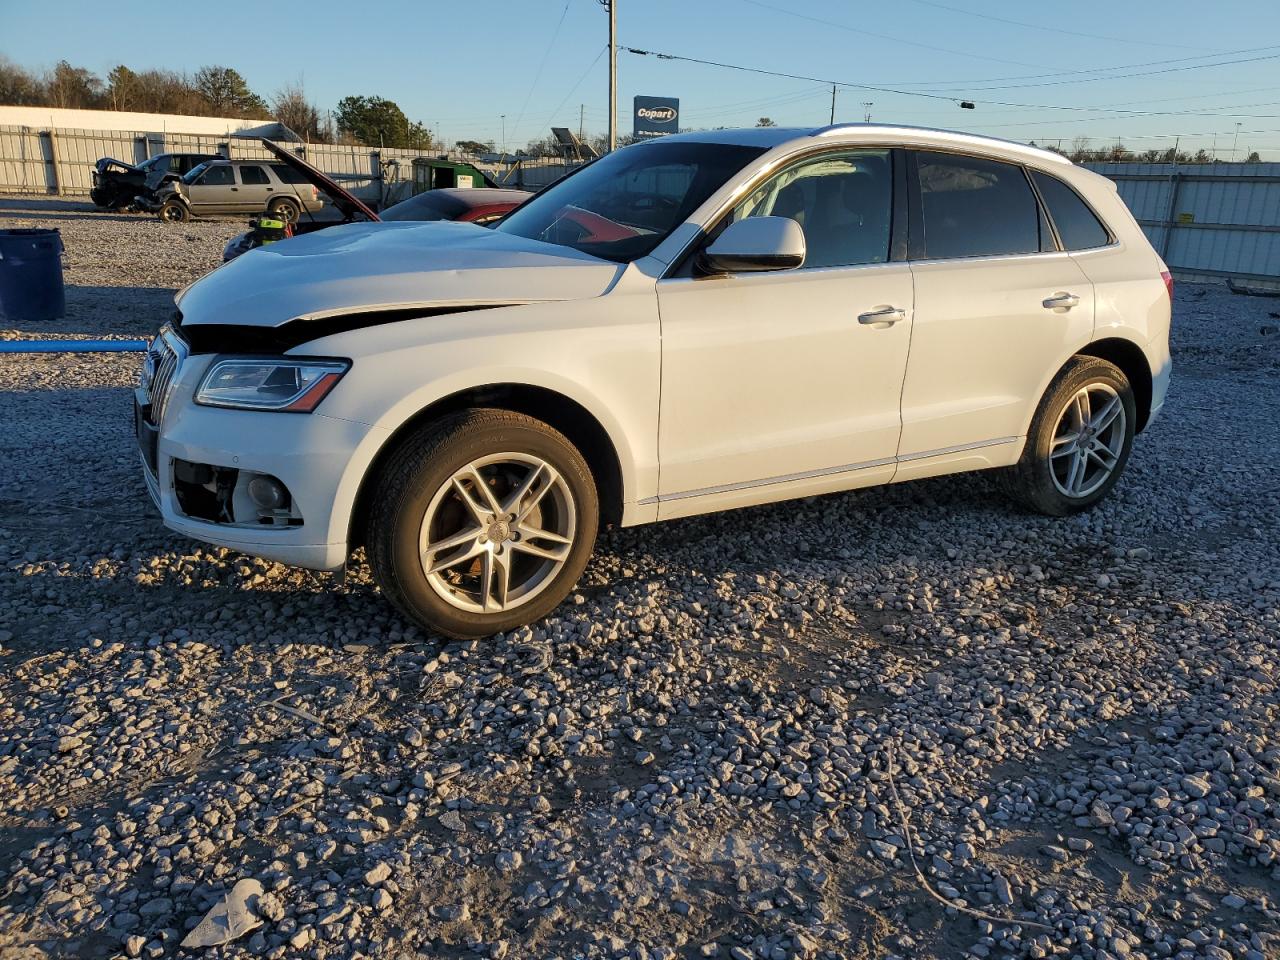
(975,207)
(1077,225)
(287,174)
(253,175)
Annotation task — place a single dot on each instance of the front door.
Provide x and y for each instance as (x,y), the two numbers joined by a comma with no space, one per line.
(997,308)
(214,191)
(788,383)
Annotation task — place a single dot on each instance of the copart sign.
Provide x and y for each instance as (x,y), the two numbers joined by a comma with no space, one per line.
(655,117)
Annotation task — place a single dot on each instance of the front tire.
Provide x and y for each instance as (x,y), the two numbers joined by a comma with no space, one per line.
(1079,442)
(481,522)
(174,211)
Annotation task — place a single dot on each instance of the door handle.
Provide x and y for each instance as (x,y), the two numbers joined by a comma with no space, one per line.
(235,189)
(1061,301)
(882,315)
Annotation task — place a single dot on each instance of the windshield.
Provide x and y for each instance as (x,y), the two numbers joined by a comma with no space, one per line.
(622,206)
(154,162)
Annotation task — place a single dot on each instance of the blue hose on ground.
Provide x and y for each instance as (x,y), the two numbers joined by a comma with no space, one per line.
(73,346)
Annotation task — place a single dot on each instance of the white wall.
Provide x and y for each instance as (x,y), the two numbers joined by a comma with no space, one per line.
(43,118)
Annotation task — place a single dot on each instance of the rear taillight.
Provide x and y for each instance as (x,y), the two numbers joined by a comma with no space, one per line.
(1167,277)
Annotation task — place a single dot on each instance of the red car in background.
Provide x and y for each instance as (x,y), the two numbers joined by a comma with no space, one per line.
(481,205)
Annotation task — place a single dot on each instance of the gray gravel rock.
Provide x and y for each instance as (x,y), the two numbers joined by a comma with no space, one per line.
(740,737)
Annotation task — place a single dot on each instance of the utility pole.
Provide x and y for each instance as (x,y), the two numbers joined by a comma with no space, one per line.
(833,103)
(1235,143)
(866,111)
(504,137)
(613,74)
(582,121)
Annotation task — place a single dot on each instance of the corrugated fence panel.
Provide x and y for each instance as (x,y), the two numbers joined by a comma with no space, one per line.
(25,165)
(1212,219)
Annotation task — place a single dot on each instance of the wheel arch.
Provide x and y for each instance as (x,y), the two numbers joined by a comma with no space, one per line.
(1132,361)
(579,425)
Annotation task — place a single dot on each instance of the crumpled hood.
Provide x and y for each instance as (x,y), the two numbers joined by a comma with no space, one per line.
(362,267)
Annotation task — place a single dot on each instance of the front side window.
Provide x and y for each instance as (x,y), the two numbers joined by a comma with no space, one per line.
(843,202)
(975,207)
(253,176)
(216,176)
(622,206)
(1078,227)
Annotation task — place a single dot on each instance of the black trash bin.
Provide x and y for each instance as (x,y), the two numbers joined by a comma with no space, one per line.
(31,275)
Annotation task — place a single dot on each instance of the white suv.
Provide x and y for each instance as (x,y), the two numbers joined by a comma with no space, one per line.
(690,324)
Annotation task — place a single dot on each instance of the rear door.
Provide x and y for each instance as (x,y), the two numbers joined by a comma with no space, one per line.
(256,187)
(997,308)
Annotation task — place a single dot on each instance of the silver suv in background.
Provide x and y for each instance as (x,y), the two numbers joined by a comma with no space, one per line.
(234,187)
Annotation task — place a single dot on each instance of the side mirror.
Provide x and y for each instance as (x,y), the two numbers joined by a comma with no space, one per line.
(755,244)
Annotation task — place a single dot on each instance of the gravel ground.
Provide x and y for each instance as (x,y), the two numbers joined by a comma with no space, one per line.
(910,722)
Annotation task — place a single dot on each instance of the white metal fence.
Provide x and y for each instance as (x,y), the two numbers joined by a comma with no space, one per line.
(60,161)
(1208,220)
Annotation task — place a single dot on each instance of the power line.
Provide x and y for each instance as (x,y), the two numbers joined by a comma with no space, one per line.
(1071,73)
(1122,76)
(920,93)
(885,36)
(1036,26)
(541,64)
(574,88)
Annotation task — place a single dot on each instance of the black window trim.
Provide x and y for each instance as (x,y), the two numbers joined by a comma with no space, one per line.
(916,248)
(1112,240)
(681,265)
(235,177)
(262,166)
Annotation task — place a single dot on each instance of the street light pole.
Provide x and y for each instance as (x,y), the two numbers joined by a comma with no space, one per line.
(504,136)
(1235,143)
(613,75)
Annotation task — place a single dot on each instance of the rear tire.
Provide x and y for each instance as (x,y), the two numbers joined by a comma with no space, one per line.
(481,522)
(174,211)
(1079,442)
(284,209)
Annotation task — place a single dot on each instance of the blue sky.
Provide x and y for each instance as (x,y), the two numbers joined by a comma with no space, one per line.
(460,67)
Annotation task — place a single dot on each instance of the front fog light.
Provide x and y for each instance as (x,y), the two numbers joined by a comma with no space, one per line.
(267,493)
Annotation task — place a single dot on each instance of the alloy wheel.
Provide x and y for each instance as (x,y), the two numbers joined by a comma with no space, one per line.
(497,532)
(1088,440)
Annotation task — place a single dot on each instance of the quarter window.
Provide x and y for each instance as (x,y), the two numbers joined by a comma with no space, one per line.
(843,202)
(1078,227)
(254,176)
(976,208)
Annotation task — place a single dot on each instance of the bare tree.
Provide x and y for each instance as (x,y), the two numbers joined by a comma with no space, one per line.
(19,87)
(73,87)
(292,108)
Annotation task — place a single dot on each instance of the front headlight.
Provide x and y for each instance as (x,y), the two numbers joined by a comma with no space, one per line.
(292,386)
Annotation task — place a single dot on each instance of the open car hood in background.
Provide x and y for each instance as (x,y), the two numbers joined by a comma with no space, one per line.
(106,163)
(344,201)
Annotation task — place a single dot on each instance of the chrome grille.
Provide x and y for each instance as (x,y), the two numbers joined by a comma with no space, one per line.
(164,356)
